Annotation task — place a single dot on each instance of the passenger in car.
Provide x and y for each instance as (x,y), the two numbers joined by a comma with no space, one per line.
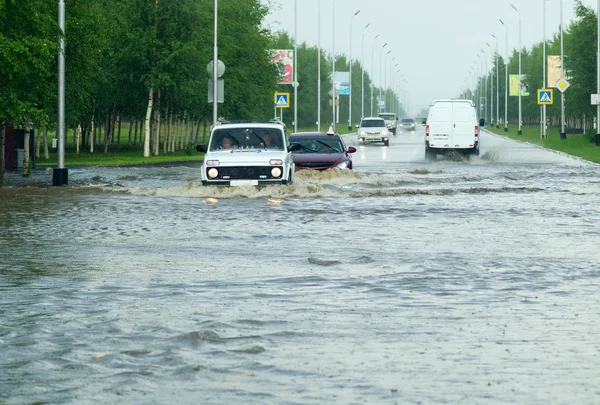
(226,143)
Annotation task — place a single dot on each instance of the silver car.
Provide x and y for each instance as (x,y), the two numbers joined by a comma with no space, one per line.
(407,124)
(373,129)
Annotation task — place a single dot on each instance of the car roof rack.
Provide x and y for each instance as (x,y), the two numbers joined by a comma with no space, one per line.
(271,121)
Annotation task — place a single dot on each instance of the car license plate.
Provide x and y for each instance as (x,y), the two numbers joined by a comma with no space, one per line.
(244,183)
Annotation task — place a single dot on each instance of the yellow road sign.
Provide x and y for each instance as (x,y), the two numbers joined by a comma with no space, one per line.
(545,96)
(282,100)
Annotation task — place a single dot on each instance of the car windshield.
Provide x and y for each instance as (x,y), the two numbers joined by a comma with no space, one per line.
(408,121)
(388,116)
(372,123)
(247,138)
(321,144)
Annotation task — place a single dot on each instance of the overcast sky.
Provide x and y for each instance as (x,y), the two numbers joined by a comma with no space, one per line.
(434,41)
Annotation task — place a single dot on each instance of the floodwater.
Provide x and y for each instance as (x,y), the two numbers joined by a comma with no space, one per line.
(402,282)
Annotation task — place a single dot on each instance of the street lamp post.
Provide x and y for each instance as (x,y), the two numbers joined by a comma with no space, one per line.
(295,82)
(333,80)
(60,175)
(318,66)
(544,62)
(520,132)
(485,83)
(350,88)
(505,81)
(497,84)
(563,134)
(380,76)
(215,64)
(372,71)
(385,80)
(362,66)
(491,85)
(598,79)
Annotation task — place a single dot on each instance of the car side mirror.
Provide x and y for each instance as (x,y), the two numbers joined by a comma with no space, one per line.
(294,146)
(351,149)
(201,148)
(481,122)
(357,126)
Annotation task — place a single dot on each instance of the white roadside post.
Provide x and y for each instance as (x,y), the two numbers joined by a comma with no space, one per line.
(333,90)
(563,134)
(497,84)
(598,80)
(295,75)
(372,71)
(505,81)
(362,66)
(319,66)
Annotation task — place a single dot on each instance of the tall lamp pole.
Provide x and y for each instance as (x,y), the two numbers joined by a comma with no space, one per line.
(362,66)
(520,132)
(491,85)
(318,66)
(60,175)
(385,80)
(497,84)
(350,64)
(380,76)
(333,80)
(372,71)
(506,81)
(598,79)
(215,65)
(295,83)
(544,62)
(563,134)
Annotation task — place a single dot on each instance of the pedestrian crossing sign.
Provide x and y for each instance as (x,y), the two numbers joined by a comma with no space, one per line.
(282,100)
(545,96)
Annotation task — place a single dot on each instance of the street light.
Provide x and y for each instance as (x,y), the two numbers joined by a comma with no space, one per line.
(295,74)
(380,76)
(520,132)
(506,81)
(598,79)
(485,83)
(544,61)
(497,84)
(491,85)
(563,134)
(372,70)
(333,80)
(362,65)
(215,64)
(350,88)
(385,80)
(318,66)
(60,175)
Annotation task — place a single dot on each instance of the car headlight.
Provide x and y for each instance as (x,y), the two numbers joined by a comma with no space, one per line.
(384,132)
(213,173)
(276,162)
(212,163)
(276,172)
(342,165)
(362,133)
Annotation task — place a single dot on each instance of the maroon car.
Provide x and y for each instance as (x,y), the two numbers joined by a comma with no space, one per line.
(320,151)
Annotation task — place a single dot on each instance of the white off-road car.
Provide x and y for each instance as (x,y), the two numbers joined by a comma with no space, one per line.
(247,154)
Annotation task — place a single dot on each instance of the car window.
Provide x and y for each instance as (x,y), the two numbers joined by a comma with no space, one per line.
(247,138)
(372,123)
(408,120)
(320,144)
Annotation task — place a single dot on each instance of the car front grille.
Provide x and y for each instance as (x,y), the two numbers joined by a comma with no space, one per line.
(245,172)
(314,164)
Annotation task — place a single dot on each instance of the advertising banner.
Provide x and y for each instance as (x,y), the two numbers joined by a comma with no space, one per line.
(554,66)
(515,84)
(284,59)
(342,83)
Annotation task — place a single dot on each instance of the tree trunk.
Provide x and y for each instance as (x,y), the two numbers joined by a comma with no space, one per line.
(2,163)
(185,136)
(78,138)
(157,129)
(119,130)
(37,147)
(172,133)
(130,130)
(167,131)
(147,131)
(26,168)
(93,140)
(135,132)
(107,132)
(197,131)
(46,151)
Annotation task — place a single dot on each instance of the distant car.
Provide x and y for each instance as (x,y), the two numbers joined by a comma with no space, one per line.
(391,121)
(407,124)
(320,151)
(373,129)
(247,154)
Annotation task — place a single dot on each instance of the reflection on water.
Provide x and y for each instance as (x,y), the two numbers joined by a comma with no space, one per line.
(402,281)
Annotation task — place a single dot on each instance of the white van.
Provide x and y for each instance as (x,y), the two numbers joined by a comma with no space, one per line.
(452,126)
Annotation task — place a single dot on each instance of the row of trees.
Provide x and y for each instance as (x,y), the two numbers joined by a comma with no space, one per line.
(580,63)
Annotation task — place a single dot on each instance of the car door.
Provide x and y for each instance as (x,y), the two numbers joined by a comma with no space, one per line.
(440,125)
(463,125)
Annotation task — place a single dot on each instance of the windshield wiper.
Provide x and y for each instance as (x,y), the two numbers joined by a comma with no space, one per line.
(233,139)
(259,138)
(329,146)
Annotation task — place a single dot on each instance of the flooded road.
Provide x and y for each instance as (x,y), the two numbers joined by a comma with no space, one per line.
(402,282)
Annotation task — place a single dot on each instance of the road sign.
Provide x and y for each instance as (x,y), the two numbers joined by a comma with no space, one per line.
(562,84)
(595,99)
(282,100)
(545,96)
